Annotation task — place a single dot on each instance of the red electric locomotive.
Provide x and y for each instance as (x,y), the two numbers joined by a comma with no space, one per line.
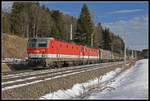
(51,52)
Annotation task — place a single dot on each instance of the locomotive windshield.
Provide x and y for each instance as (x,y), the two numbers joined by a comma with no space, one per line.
(37,43)
(42,44)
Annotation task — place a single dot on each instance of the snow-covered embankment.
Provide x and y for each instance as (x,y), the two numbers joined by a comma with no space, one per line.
(131,84)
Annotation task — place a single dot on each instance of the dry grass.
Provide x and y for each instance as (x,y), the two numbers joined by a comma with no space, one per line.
(13,46)
(132,62)
(5,68)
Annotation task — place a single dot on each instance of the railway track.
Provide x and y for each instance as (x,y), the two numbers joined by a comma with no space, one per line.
(15,80)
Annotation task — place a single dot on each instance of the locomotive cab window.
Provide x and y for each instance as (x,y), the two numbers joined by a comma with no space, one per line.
(31,45)
(42,45)
(37,43)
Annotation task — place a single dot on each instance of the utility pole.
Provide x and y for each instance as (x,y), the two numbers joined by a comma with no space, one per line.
(135,56)
(27,32)
(71,32)
(3,36)
(112,51)
(92,35)
(92,39)
(132,54)
(125,52)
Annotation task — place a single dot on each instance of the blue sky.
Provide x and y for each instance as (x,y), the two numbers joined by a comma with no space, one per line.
(121,17)
(104,11)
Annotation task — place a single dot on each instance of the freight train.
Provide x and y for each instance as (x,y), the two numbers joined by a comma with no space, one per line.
(51,52)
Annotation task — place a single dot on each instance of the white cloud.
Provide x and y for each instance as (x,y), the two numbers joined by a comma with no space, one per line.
(6,6)
(135,28)
(125,11)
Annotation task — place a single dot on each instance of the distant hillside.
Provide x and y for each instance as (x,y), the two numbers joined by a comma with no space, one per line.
(13,46)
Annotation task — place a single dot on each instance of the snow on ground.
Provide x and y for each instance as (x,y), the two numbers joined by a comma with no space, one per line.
(77,89)
(131,84)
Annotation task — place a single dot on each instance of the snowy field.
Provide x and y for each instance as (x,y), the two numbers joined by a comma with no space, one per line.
(131,84)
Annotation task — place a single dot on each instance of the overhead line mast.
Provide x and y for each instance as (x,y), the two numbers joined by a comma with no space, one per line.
(71,32)
(125,51)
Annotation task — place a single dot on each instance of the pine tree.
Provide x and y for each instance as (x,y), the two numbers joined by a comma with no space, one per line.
(85,26)
(21,18)
(106,38)
(15,18)
(98,39)
(57,26)
(25,18)
(44,23)
(29,19)
(5,23)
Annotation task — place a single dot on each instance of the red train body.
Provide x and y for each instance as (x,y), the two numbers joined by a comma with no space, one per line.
(53,52)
